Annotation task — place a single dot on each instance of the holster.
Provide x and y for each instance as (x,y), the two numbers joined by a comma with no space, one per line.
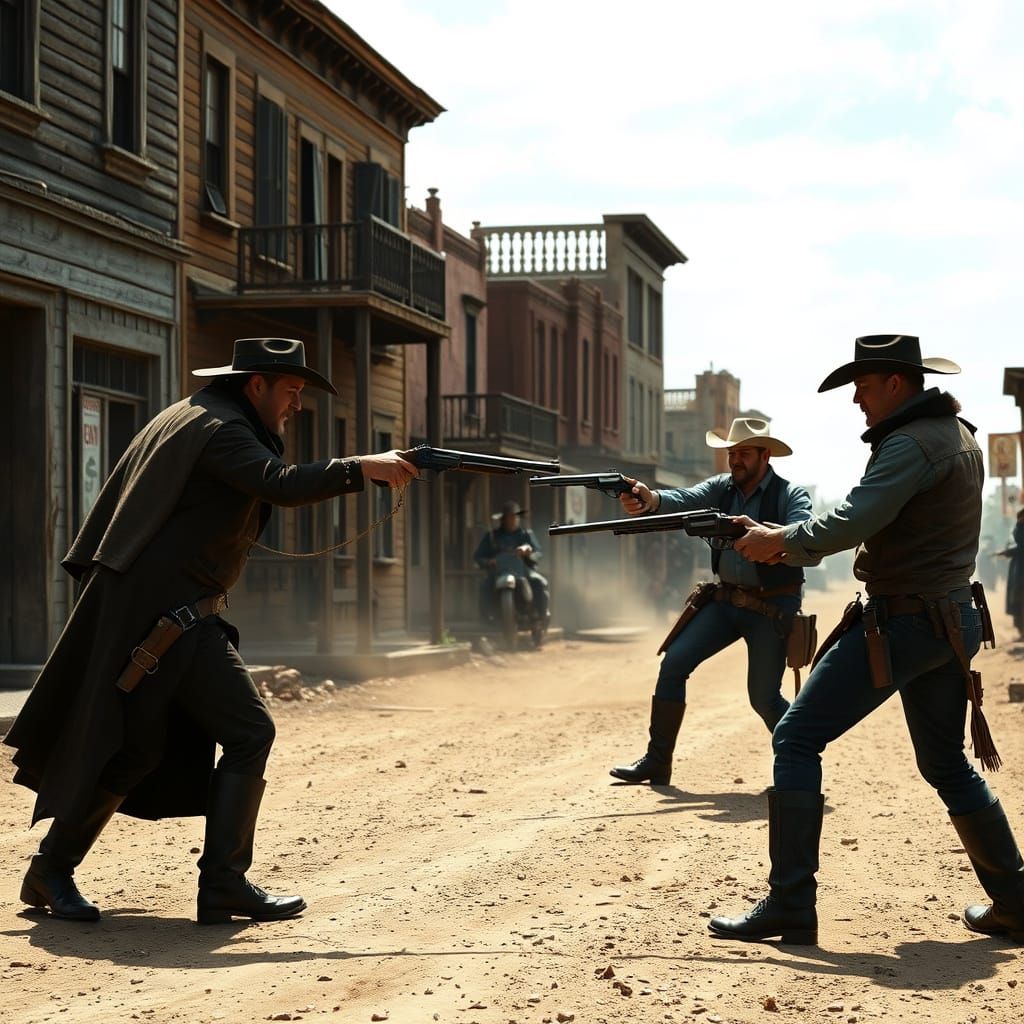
(801,643)
(144,659)
(701,595)
(852,614)
(877,642)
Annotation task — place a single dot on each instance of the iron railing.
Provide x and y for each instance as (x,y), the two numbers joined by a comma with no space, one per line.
(497,419)
(369,255)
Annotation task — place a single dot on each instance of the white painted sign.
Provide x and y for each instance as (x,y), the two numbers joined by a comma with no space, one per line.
(92,452)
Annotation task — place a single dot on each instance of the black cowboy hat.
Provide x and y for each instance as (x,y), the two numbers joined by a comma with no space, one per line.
(269,355)
(886,353)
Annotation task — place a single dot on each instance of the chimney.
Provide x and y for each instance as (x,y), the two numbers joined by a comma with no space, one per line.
(436,224)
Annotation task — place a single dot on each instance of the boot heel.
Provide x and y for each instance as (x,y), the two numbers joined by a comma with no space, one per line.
(799,937)
(31,897)
(661,780)
(213,917)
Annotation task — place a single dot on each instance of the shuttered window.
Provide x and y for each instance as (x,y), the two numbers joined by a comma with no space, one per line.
(126,62)
(271,164)
(377,193)
(216,81)
(12,48)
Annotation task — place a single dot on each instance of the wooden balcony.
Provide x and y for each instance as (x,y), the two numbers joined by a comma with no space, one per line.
(366,256)
(500,421)
(545,250)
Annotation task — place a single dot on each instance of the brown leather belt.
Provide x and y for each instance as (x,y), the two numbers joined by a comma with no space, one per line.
(753,597)
(906,604)
(145,658)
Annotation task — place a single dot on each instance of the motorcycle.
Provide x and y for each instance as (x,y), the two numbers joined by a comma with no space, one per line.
(512,600)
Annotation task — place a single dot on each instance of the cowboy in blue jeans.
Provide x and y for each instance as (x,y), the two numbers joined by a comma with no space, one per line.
(753,603)
(915,520)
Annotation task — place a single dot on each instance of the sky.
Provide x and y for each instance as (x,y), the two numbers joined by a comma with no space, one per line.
(830,170)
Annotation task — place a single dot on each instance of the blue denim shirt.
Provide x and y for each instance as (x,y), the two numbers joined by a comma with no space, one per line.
(734,568)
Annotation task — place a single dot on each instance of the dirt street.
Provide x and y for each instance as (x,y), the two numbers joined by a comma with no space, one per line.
(466,858)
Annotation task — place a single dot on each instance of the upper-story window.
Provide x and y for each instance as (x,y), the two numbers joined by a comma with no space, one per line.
(377,193)
(654,325)
(126,76)
(216,83)
(19,64)
(635,308)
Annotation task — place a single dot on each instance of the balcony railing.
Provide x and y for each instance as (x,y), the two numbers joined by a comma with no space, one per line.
(499,419)
(680,398)
(563,249)
(369,255)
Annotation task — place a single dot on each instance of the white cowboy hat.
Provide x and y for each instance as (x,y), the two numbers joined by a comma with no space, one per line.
(748,432)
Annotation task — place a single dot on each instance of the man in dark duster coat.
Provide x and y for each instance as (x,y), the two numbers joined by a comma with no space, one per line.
(173,524)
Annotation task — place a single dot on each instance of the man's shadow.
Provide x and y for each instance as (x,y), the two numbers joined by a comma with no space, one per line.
(921,965)
(727,807)
(129,937)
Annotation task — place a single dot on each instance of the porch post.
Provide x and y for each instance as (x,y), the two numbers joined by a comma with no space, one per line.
(436,525)
(325,509)
(364,547)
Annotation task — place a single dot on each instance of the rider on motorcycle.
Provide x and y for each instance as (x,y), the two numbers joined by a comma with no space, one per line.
(510,535)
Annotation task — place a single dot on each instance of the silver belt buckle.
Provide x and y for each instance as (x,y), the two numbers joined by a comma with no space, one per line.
(150,667)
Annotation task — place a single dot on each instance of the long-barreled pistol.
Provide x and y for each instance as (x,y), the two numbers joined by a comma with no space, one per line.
(611,483)
(716,529)
(425,456)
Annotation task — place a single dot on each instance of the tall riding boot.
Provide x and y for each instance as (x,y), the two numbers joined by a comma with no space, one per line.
(993,851)
(656,764)
(50,881)
(224,891)
(788,911)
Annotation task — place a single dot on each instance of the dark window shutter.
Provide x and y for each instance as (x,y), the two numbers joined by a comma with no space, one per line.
(369,189)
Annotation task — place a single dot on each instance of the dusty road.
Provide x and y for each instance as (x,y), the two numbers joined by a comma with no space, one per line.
(467,859)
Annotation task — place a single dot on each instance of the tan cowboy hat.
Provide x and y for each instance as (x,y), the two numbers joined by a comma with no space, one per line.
(750,433)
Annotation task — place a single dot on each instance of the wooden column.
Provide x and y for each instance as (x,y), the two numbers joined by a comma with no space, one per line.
(325,509)
(364,547)
(436,525)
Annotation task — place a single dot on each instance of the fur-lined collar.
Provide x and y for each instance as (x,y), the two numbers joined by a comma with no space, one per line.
(929,404)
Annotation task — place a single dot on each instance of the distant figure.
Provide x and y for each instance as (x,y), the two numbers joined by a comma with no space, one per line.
(1015,576)
(511,536)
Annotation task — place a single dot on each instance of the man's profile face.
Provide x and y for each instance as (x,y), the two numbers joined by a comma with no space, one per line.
(275,403)
(747,464)
(878,395)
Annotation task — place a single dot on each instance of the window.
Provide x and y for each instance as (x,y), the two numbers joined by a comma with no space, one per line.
(126,79)
(12,48)
(384,535)
(470,353)
(216,89)
(271,176)
(553,354)
(539,364)
(377,194)
(615,392)
(110,396)
(586,381)
(640,422)
(635,308)
(654,328)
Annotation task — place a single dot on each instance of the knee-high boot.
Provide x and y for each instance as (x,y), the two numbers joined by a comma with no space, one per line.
(50,881)
(224,891)
(997,862)
(788,911)
(656,764)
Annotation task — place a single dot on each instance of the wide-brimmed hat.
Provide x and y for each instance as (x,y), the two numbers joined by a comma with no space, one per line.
(886,353)
(269,355)
(510,508)
(746,431)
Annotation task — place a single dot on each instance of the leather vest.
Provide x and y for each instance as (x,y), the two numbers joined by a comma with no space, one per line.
(772,511)
(931,546)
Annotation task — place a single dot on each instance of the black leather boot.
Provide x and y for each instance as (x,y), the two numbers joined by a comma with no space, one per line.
(997,862)
(224,891)
(656,765)
(50,881)
(787,912)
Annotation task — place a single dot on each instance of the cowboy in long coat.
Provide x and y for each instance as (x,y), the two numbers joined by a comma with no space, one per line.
(168,537)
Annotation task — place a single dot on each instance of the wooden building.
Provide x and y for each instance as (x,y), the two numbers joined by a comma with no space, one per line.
(294,134)
(89,278)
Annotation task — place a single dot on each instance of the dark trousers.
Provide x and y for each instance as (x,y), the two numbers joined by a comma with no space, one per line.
(538,587)
(215,690)
(929,680)
(714,628)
